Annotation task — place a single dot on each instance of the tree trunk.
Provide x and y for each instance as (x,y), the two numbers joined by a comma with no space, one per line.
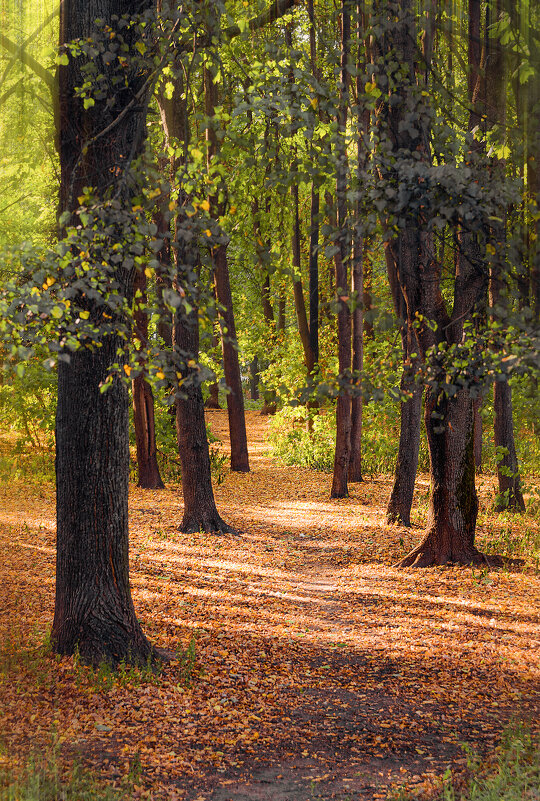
(343,409)
(355,459)
(145,435)
(200,512)
(510,494)
(254,379)
(143,403)
(401,497)
(235,397)
(94,611)
(454,504)
(212,401)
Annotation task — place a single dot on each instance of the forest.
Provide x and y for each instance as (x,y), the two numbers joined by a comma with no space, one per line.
(270,420)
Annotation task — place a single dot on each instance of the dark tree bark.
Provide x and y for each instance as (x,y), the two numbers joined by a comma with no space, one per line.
(357,283)
(343,407)
(212,401)
(94,610)
(254,378)
(510,495)
(313,264)
(143,405)
(200,512)
(401,497)
(452,517)
(231,366)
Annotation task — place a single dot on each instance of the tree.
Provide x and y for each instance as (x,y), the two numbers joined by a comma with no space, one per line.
(94,611)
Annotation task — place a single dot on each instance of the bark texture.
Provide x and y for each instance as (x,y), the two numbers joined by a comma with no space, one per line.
(200,512)
(94,611)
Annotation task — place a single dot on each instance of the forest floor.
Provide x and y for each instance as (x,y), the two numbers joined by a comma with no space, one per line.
(309,667)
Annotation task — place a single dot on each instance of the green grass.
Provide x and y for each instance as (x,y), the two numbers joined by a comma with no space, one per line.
(41,780)
(514,777)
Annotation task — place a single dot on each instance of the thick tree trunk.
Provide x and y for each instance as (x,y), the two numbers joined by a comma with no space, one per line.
(94,612)
(235,397)
(453,506)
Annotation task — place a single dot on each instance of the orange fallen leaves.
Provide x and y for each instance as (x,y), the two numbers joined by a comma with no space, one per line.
(312,653)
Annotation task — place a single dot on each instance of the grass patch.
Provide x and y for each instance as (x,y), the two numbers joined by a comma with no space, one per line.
(514,777)
(42,780)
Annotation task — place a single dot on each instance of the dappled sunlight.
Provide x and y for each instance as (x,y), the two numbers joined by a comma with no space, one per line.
(305,639)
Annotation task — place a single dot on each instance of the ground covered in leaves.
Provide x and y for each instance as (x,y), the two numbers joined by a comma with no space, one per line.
(307,666)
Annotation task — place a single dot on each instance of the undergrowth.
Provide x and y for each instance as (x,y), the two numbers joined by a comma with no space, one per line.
(515,776)
(43,780)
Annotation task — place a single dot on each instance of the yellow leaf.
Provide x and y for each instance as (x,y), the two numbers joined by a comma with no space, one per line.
(127,369)
(84,314)
(148,272)
(160,374)
(208,232)
(205,205)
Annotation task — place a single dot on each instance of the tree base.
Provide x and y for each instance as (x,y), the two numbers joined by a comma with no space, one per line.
(152,484)
(210,403)
(268,408)
(432,554)
(212,524)
(395,518)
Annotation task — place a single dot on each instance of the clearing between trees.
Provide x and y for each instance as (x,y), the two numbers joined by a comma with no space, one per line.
(303,664)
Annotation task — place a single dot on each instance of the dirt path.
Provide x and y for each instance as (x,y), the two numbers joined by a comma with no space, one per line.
(317,670)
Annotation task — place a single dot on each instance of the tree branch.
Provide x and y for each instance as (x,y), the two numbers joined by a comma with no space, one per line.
(29,61)
(274,11)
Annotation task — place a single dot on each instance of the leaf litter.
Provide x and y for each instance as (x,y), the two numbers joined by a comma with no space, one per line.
(306,665)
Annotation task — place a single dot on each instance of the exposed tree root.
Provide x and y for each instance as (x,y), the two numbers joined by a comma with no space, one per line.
(212,524)
(432,554)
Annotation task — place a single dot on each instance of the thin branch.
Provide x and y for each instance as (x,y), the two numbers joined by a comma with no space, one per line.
(29,61)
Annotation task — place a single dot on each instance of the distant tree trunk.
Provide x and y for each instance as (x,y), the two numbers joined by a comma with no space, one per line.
(229,342)
(231,366)
(200,512)
(401,497)
(269,397)
(94,611)
(212,402)
(343,407)
(254,378)
(143,405)
(298,289)
(355,459)
(313,265)
(357,283)
(510,495)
